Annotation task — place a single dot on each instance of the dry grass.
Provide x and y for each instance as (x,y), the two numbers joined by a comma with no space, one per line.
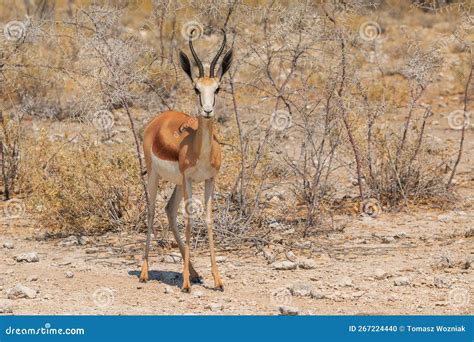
(81,188)
(356,108)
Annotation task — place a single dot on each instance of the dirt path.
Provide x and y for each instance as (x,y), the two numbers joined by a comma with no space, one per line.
(394,264)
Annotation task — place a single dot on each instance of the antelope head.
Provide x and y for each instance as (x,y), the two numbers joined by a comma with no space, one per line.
(206,88)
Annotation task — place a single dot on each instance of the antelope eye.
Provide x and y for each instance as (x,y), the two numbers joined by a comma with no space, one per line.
(217,90)
(197,91)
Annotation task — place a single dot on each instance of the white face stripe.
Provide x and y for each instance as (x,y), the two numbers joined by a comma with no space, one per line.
(207,91)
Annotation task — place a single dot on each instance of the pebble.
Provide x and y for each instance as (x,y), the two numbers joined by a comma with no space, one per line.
(269,256)
(291,256)
(69,241)
(469,233)
(288,310)
(221,259)
(307,264)
(8,245)
(21,291)
(32,277)
(401,281)
(28,257)
(197,294)
(168,290)
(316,294)
(303,245)
(69,274)
(284,265)
(442,282)
(345,281)
(214,307)
(301,290)
(388,239)
(83,240)
(381,274)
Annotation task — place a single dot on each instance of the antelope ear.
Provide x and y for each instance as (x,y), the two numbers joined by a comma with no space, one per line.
(226,63)
(185,65)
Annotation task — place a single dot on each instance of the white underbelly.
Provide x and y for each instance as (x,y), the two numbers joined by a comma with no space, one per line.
(201,171)
(167,169)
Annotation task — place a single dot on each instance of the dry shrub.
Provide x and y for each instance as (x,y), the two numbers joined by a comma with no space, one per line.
(10,139)
(418,174)
(82,188)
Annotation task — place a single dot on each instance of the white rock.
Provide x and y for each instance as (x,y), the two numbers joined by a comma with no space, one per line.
(303,245)
(21,291)
(288,310)
(8,245)
(168,290)
(28,257)
(380,274)
(221,259)
(291,256)
(69,274)
(284,265)
(345,281)
(268,255)
(401,281)
(388,239)
(442,282)
(83,240)
(301,290)
(307,264)
(316,294)
(32,277)
(197,294)
(214,307)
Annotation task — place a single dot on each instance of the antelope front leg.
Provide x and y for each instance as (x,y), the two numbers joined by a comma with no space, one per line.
(187,190)
(208,194)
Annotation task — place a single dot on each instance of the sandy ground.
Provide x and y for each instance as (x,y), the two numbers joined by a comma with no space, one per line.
(417,263)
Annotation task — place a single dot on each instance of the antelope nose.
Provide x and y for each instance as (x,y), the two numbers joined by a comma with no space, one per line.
(208,111)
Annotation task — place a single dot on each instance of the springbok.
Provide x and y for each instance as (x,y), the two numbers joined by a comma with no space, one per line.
(183,149)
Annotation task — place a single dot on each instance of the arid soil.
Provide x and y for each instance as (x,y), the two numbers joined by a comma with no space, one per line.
(419,260)
(406,263)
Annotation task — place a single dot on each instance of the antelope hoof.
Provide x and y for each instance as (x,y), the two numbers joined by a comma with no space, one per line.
(219,285)
(144,272)
(186,289)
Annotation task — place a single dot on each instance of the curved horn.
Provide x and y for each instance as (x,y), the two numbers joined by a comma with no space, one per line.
(219,53)
(196,58)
